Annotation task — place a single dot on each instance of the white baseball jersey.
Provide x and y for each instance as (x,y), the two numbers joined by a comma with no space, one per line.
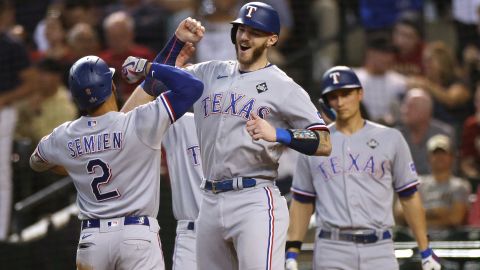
(228,99)
(354,185)
(113,160)
(184,167)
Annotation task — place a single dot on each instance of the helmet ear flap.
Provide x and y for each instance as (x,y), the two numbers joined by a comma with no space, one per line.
(233,33)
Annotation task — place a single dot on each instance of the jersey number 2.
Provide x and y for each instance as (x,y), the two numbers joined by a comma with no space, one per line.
(101,180)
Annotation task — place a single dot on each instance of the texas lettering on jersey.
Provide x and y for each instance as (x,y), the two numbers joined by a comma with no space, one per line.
(354,163)
(95,143)
(232,103)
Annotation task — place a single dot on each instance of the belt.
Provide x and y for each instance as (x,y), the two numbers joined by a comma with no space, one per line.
(229,184)
(95,223)
(191,226)
(356,238)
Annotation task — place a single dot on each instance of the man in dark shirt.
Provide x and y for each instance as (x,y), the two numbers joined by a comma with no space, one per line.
(15,75)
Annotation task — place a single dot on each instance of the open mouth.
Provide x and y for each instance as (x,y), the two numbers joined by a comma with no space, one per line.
(244,48)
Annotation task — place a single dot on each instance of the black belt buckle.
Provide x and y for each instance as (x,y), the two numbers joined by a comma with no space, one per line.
(191,226)
(364,239)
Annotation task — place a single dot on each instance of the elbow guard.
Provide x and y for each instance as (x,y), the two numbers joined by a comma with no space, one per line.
(302,140)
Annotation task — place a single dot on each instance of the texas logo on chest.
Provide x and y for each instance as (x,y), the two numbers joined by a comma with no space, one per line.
(232,103)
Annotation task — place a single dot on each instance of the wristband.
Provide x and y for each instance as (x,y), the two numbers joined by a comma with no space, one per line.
(291,255)
(283,136)
(427,252)
(293,244)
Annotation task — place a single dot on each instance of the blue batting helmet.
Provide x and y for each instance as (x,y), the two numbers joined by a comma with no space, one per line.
(90,82)
(257,15)
(339,77)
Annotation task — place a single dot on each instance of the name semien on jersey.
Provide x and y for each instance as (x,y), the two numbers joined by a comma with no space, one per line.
(95,143)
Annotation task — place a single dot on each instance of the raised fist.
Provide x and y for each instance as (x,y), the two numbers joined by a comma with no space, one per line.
(190,30)
(134,69)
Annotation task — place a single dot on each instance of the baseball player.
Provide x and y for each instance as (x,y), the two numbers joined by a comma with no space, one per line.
(352,189)
(181,146)
(185,170)
(113,160)
(243,219)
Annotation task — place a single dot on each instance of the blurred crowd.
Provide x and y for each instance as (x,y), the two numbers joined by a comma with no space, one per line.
(415,76)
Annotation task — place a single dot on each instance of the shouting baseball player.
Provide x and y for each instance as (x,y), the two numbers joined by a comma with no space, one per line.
(352,189)
(241,204)
(113,160)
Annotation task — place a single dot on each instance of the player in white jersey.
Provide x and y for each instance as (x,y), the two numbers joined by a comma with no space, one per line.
(352,190)
(113,160)
(185,171)
(243,219)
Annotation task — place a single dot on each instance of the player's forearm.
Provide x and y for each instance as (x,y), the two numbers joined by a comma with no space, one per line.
(137,98)
(324,144)
(176,80)
(415,216)
(300,214)
(169,53)
(38,164)
(184,88)
(167,56)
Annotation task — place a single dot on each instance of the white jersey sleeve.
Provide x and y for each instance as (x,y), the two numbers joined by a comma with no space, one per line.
(303,178)
(148,131)
(48,143)
(404,173)
(300,111)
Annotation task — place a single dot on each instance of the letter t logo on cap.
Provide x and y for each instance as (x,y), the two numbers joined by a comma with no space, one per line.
(251,9)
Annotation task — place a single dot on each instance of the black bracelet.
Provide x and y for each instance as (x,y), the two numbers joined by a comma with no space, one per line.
(293,244)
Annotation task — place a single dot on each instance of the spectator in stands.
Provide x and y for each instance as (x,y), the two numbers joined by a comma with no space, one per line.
(119,33)
(470,143)
(15,83)
(55,38)
(383,86)
(474,214)
(418,126)
(71,12)
(80,11)
(408,34)
(48,107)
(466,18)
(216,16)
(150,21)
(441,79)
(444,196)
(82,40)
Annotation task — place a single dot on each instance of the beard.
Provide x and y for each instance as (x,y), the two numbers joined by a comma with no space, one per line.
(257,52)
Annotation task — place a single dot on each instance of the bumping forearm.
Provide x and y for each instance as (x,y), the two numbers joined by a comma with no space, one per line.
(305,141)
(177,80)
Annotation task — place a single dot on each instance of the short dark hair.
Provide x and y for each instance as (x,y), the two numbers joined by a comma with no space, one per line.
(50,65)
(412,19)
(380,42)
